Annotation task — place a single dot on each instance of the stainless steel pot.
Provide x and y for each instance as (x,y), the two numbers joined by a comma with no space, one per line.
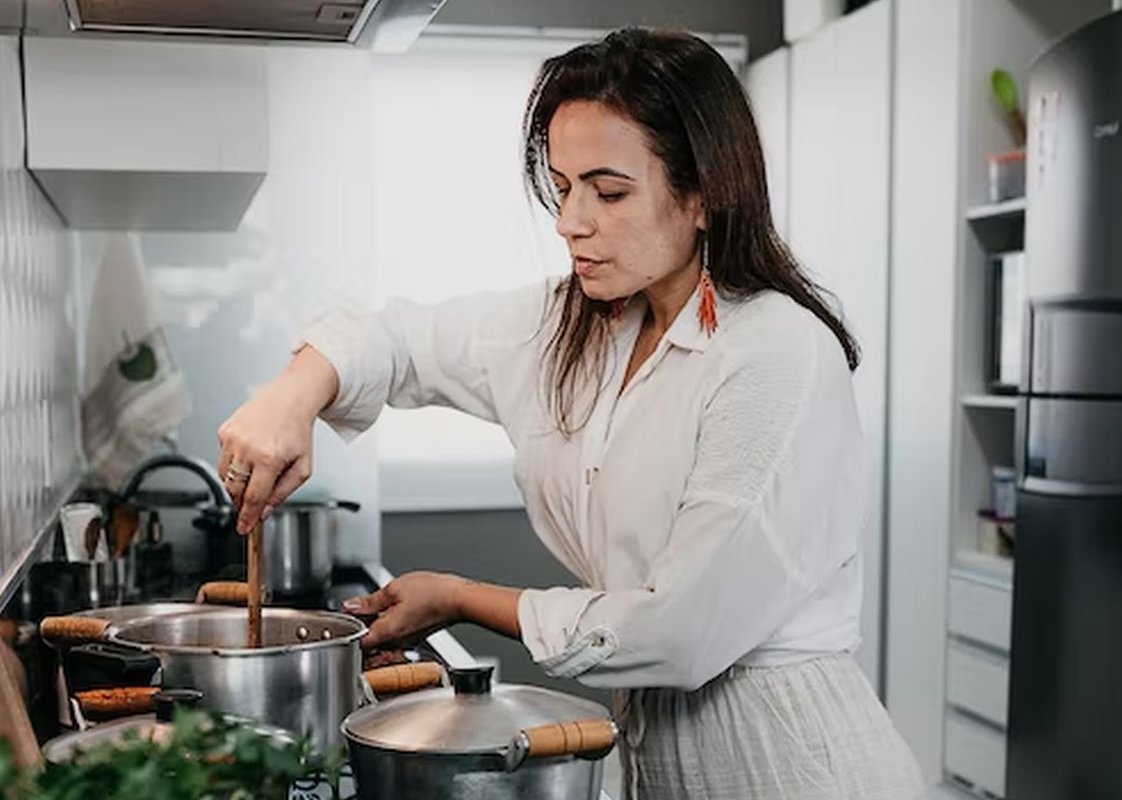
(474,741)
(298,538)
(298,542)
(306,678)
(120,615)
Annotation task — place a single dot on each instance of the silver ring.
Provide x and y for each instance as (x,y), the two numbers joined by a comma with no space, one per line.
(236,476)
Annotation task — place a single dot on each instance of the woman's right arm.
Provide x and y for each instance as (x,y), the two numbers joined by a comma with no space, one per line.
(466,353)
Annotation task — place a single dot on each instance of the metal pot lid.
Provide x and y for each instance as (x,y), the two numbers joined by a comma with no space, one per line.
(471,716)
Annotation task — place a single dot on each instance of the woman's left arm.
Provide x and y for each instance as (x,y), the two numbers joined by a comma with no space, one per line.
(418,603)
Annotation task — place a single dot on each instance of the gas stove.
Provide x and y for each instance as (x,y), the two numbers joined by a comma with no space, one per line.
(40,664)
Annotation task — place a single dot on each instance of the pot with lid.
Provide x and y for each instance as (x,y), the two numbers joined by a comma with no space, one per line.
(474,740)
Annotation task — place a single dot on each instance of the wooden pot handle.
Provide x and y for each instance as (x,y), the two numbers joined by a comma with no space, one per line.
(404,677)
(73,630)
(227,593)
(119,702)
(586,737)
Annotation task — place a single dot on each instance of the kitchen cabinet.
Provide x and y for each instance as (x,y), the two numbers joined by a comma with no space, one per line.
(889,125)
(949,618)
(839,168)
(140,135)
(768,84)
(976,754)
(978,682)
(980,609)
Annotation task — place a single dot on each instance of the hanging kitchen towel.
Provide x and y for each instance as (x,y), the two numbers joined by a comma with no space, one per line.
(134,393)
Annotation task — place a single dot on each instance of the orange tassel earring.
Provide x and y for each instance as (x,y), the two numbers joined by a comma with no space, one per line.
(707,308)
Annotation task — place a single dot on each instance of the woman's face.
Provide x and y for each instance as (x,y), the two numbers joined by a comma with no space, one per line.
(626,230)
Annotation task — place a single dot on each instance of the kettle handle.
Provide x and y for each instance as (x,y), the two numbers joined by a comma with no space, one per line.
(404,677)
(586,738)
(73,629)
(228,593)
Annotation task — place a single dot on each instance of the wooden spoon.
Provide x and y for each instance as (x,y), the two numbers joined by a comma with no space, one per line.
(253,575)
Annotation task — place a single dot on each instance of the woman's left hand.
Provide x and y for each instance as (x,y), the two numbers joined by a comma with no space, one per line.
(409,607)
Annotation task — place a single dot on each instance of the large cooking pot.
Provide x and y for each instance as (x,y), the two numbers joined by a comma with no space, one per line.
(476,741)
(305,678)
(297,540)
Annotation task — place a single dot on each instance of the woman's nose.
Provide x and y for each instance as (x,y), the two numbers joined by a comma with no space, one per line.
(573,219)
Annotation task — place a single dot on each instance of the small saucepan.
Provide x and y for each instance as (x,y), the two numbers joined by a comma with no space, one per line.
(298,540)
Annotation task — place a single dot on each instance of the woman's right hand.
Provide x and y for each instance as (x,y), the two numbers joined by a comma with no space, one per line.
(270,437)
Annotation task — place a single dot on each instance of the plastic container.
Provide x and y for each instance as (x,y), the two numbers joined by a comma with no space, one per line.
(1007,175)
(1004,492)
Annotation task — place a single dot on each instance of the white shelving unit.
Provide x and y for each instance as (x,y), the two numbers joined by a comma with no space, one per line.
(980,584)
(1008,209)
(999,402)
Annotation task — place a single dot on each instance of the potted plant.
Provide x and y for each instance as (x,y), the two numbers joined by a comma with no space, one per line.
(1007,169)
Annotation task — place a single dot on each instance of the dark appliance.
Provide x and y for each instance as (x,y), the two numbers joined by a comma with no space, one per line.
(1065,713)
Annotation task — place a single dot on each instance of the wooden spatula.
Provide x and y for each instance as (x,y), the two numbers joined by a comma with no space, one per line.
(253,578)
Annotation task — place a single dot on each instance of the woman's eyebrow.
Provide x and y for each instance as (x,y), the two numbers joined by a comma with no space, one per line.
(598,172)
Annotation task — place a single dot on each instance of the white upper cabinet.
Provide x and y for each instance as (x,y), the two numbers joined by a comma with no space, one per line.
(147,135)
(767,83)
(839,216)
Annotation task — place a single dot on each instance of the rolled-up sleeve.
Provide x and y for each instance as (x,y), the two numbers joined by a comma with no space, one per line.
(410,355)
(744,551)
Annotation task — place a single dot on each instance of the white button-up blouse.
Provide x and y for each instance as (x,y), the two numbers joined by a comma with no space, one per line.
(712,507)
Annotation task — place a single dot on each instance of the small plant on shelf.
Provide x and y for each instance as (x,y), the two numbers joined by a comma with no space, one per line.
(1008,98)
(1007,169)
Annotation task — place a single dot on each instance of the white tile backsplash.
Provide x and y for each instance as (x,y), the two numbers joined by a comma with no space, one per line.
(39,442)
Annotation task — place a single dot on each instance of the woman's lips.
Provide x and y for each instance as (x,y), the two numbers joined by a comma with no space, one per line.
(584,267)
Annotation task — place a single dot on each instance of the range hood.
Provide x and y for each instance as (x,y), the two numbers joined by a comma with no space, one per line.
(382,25)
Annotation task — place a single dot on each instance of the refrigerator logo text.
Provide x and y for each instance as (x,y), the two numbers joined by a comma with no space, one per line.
(1106,129)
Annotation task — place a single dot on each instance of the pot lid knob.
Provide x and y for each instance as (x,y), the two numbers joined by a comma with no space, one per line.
(167,700)
(471,680)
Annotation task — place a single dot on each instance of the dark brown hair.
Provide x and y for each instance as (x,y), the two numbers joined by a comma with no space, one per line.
(697,120)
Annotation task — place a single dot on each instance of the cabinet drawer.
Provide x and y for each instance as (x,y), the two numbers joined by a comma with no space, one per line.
(980,611)
(975,753)
(978,682)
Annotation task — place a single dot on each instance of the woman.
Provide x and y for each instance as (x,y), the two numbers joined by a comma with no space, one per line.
(686,440)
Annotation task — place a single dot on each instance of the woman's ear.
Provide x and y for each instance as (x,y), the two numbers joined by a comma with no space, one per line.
(701,217)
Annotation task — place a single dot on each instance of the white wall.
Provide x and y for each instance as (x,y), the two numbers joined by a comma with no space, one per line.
(39,444)
(233,304)
(451,218)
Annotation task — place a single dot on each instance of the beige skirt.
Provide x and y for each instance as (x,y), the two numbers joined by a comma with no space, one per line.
(808,731)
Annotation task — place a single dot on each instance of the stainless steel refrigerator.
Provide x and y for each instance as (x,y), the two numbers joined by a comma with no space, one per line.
(1065,714)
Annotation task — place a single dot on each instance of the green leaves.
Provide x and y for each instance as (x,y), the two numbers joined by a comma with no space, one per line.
(1005,91)
(207,757)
